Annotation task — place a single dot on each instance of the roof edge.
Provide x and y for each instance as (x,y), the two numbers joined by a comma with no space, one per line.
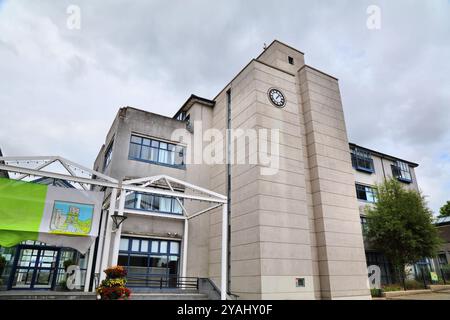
(383,155)
(282,43)
(194,99)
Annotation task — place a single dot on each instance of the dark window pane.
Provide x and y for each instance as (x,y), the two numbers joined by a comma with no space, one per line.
(123,260)
(138,261)
(173,265)
(155,203)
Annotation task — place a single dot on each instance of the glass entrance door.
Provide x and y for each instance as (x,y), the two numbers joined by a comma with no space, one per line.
(36,268)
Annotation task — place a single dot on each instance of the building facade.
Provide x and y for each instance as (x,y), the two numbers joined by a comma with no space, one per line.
(295,234)
(371,168)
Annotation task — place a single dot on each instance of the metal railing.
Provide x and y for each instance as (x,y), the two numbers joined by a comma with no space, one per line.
(161,281)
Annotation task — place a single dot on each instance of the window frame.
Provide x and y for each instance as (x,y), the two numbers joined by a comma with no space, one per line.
(372,190)
(108,155)
(401,171)
(151,146)
(358,157)
(129,252)
(172,203)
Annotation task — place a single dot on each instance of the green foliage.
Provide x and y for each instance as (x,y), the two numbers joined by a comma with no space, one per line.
(414,285)
(445,210)
(409,284)
(401,226)
(67,263)
(445,270)
(392,287)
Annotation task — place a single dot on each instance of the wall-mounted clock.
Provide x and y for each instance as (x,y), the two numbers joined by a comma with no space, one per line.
(276,97)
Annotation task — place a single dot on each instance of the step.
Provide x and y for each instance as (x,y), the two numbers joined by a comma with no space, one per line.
(46,295)
(163,290)
(168,296)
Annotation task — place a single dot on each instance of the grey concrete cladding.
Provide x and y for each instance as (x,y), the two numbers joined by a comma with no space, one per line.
(303,222)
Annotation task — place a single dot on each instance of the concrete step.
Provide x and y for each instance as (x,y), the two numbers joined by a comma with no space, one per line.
(46,295)
(163,290)
(168,296)
(54,295)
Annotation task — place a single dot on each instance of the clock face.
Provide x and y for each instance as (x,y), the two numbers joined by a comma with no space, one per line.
(277,98)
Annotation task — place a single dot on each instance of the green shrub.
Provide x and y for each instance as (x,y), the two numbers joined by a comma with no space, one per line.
(67,263)
(376,292)
(413,285)
(392,287)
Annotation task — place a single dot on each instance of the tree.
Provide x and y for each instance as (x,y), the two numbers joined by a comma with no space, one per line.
(445,210)
(401,226)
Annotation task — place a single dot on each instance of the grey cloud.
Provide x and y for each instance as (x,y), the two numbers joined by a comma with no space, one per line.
(61,88)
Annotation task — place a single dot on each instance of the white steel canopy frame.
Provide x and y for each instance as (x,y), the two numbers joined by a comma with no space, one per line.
(150,185)
(84,177)
(153,185)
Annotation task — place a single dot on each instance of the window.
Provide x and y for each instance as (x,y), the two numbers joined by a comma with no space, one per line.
(151,202)
(362,160)
(181,116)
(148,261)
(300,282)
(442,259)
(363,223)
(386,268)
(400,170)
(154,151)
(291,60)
(108,155)
(365,193)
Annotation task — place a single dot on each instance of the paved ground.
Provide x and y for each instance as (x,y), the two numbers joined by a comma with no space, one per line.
(441,295)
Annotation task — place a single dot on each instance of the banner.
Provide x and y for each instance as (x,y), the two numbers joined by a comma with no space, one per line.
(63,217)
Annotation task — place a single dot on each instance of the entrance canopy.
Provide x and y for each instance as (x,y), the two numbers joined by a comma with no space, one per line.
(60,216)
(66,219)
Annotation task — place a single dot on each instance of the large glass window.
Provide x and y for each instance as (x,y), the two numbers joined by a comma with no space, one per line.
(366,193)
(150,262)
(154,151)
(401,171)
(151,202)
(362,160)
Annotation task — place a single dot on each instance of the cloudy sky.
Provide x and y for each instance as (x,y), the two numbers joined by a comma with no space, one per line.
(60,88)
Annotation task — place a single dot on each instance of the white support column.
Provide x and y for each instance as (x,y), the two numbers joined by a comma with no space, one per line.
(118,232)
(223,278)
(107,239)
(89,268)
(185,247)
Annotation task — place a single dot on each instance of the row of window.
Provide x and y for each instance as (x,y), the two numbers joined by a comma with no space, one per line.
(149,261)
(150,246)
(150,150)
(362,161)
(151,202)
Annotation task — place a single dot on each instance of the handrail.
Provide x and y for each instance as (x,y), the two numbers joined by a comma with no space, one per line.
(161,281)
